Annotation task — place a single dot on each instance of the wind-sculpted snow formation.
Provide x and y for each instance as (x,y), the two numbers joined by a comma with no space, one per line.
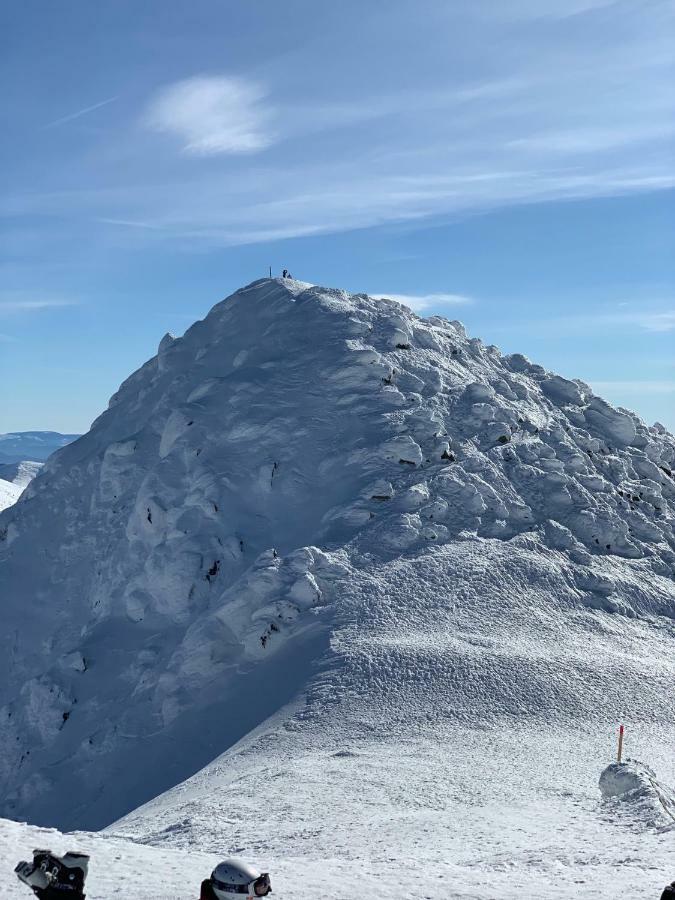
(320,497)
(635,785)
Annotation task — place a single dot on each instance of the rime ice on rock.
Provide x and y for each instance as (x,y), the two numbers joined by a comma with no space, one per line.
(296,418)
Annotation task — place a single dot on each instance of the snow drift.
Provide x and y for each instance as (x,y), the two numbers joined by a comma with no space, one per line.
(634,786)
(321,498)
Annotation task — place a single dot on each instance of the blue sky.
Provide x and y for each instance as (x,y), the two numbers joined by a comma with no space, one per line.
(510,164)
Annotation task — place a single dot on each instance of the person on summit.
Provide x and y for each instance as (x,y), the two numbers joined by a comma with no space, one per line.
(284,274)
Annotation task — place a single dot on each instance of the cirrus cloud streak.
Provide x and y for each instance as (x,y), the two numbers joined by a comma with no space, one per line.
(424,302)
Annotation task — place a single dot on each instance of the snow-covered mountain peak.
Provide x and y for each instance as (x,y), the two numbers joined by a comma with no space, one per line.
(182,559)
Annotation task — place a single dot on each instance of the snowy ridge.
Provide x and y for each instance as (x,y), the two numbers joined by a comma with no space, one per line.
(20,473)
(459,538)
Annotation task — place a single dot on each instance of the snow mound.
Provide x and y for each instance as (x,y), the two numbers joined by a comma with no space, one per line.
(633,786)
(308,480)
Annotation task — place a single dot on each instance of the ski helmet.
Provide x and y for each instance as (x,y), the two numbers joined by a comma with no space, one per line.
(232,879)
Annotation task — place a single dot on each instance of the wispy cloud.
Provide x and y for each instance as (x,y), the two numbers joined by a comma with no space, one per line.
(587,324)
(212,115)
(634,387)
(80,112)
(18,304)
(129,223)
(655,321)
(547,110)
(7,339)
(555,9)
(592,140)
(660,321)
(312,197)
(425,302)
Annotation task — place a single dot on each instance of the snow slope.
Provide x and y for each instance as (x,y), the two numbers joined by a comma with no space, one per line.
(452,740)
(13,479)
(20,473)
(466,834)
(472,583)
(118,868)
(9,493)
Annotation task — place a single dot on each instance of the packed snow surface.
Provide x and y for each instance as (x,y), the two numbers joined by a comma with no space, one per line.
(409,587)
(118,867)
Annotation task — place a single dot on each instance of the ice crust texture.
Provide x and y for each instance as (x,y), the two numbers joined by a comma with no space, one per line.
(319,497)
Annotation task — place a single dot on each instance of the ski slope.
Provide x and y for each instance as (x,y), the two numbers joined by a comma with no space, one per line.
(354,596)
(415,821)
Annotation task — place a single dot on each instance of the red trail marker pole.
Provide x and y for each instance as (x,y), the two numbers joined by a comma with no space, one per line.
(618,758)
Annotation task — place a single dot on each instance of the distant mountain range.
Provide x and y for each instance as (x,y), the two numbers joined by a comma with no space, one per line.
(17,446)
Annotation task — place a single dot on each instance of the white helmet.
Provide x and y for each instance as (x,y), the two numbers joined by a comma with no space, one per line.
(233,880)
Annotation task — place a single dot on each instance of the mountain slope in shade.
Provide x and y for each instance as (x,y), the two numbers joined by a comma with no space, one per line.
(320,508)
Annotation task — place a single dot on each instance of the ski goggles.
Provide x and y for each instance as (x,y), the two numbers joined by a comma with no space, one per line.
(260,887)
